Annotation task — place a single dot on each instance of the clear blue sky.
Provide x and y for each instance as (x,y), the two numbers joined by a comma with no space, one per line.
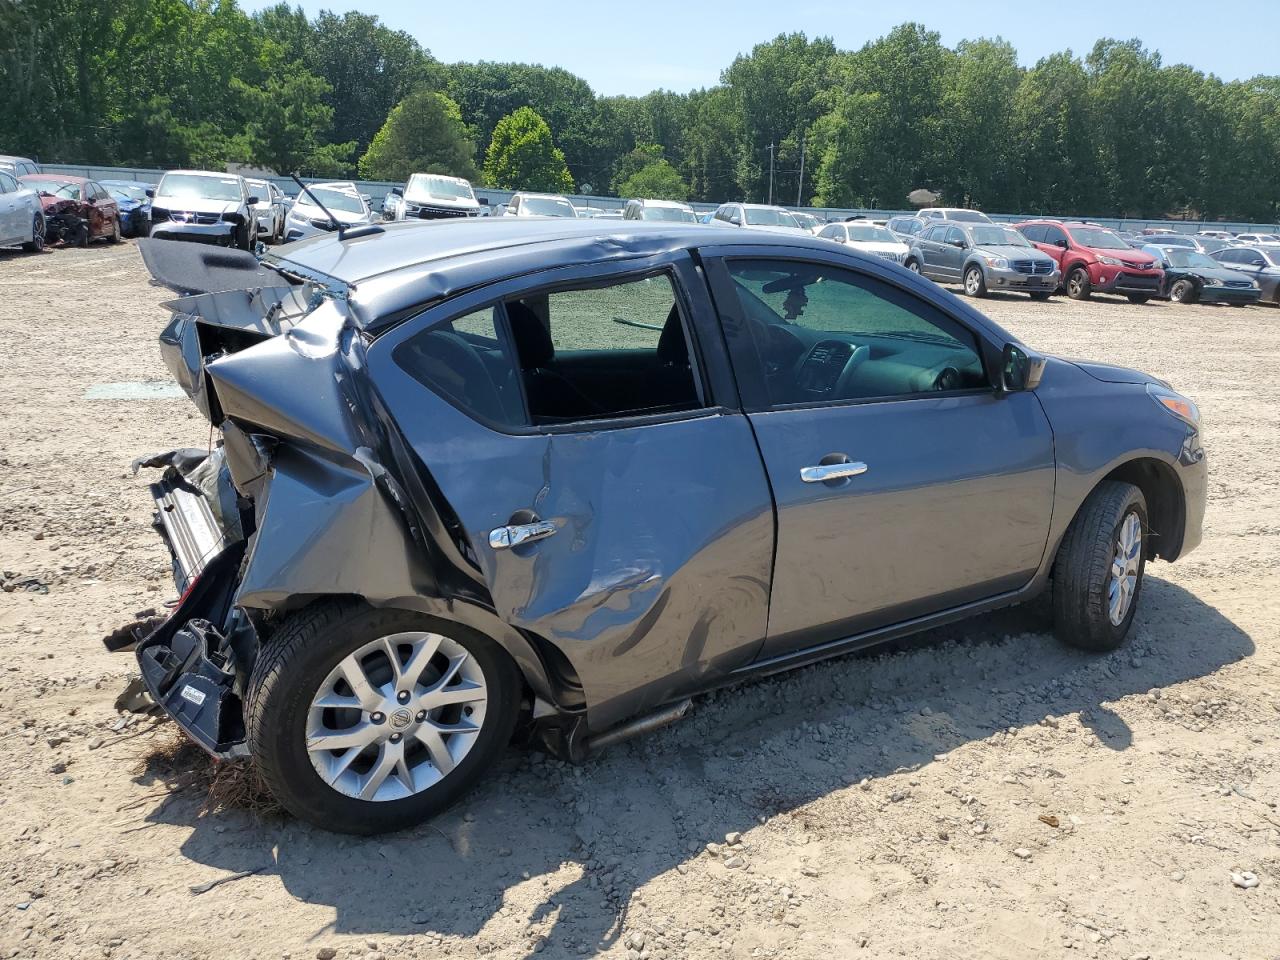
(690,42)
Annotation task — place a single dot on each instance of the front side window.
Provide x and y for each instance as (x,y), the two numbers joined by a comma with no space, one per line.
(825,334)
(7,183)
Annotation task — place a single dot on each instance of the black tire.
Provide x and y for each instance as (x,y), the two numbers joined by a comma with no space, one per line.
(38,227)
(1082,569)
(975,284)
(1040,295)
(82,234)
(1184,291)
(249,234)
(1138,299)
(1078,285)
(913,266)
(115,231)
(296,661)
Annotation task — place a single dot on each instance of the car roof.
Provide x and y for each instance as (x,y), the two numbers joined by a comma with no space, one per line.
(8,156)
(402,246)
(550,196)
(55,177)
(679,205)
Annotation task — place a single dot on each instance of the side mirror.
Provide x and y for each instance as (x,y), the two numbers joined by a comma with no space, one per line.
(735,220)
(1020,370)
(398,191)
(252,200)
(1060,243)
(151,192)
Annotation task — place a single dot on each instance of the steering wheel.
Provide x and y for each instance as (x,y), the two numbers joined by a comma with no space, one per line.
(948,378)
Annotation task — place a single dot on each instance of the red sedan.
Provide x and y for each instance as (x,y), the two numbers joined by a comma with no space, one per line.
(76,210)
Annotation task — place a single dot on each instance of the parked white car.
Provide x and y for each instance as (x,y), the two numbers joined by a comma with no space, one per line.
(21,215)
(541,205)
(670,210)
(808,221)
(433,196)
(962,214)
(340,198)
(270,210)
(204,206)
(866,237)
(756,216)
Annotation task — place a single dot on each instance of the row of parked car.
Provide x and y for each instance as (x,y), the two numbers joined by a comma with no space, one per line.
(945,244)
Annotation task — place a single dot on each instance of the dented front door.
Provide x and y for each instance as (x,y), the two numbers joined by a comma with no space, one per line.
(640,547)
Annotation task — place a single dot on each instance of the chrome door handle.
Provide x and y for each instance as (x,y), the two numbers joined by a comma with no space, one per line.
(501,538)
(831,471)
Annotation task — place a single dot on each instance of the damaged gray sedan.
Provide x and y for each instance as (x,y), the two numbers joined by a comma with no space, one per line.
(545,480)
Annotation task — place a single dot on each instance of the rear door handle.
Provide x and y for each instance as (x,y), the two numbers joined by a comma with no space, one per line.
(832,471)
(502,538)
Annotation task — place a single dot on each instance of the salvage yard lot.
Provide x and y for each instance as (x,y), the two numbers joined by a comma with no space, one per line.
(987,793)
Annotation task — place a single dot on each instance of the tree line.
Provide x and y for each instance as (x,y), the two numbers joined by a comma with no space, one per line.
(168,83)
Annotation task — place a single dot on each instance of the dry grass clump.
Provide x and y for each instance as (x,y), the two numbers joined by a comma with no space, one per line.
(170,758)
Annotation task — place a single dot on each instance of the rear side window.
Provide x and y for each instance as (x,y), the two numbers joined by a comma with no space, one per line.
(561,356)
(7,183)
(613,350)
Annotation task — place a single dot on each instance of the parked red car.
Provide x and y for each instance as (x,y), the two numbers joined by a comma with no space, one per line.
(76,210)
(1093,259)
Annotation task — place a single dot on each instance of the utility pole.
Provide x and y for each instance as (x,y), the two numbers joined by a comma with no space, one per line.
(800,188)
(770,172)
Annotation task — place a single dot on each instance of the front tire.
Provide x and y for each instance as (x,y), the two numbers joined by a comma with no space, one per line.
(352,742)
(975,284)
(1079,287)
(115,231)
(1138,299)
(913,266)
(36,243)
(1097,575)
(1040,295)
(82,234)
(1184,291)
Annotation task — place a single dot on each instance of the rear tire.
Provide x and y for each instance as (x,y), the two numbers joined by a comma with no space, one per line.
(1097,576)
(1137,299)
(298,664)
(1079,286)
(975,284)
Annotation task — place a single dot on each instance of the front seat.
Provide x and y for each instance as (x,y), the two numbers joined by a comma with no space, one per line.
(552,396)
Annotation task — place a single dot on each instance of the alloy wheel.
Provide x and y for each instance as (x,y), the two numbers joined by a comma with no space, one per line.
(38,232)
(972,282)
(394,717)
(1127,556)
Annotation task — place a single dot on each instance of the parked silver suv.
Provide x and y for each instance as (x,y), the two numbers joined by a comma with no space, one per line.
(984,257)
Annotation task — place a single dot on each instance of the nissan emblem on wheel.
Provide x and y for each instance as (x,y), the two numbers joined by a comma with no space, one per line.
(549,479)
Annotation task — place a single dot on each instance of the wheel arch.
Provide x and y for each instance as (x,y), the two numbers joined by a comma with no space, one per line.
(1166,504)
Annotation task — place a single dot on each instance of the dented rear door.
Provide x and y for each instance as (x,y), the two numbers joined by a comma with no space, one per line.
(651,537)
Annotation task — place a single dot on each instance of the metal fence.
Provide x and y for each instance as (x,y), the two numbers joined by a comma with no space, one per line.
(378,189)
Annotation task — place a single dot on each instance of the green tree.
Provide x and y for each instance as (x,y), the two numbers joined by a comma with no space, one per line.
(657,181)
(633,162)
(522,155)
(977,107)
(288,123)
(423,134)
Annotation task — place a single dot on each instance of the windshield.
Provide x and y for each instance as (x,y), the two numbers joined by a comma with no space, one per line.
(806,220)
(764,217)
(127,193)
(259,189)
(673,214)
(1179,257)
(868,233)
(333,199)
(997,237)
(547,207)
(55,188)
(441,188)
(1098,238)
(194,186)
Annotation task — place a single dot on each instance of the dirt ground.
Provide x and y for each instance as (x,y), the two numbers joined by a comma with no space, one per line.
(984,793)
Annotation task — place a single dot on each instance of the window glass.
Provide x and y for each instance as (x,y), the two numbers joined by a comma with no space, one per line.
(608,351)
(828,334)
(955,235)
(1053,235)
(1034,233)
(466,362)
(7,183)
